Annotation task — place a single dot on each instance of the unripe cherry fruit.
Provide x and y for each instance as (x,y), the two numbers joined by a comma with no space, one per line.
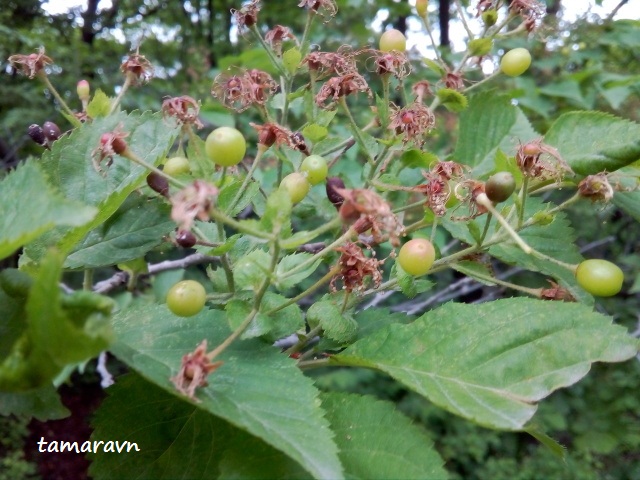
(316,169)
(416,256)
(226,146)
(393,40)
(186,298)
(176,166)
(296,185)
(421,7)
(600,277)
(500,186)
(515,62)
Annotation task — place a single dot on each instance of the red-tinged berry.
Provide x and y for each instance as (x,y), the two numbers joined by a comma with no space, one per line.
(36,134)
(51,131)
(185,238)
(333,196)
(500,186)
(158,183)
(83,90)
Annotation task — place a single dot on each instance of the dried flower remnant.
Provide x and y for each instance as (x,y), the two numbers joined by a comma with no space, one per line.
(337,63)
(355,267)
(276,36)
(138,68)
(193,202)
(484,5)
(453,81)
(324,8)
(194,370)
(337,87)
(271,133)
(184,109)
(538,160)
(421,89)
(467,191)
(556,292)
(394,63)
(531,12)
(239,90)
(437,189)
(366,210)
(111,143)
(596,188)
(413,122)
(247,16)
(32,64)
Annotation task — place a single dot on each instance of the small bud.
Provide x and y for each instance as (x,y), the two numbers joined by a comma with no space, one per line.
(185,238)
(333,196)
(51,131)
(83,90)
(490,17)
(421,7)
(158,183)
(37,134)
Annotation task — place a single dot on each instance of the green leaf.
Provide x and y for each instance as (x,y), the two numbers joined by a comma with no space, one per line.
(175,439)
(315,132)
(336,326)
(277,215)
(374,319)
(30,207)
(453,100)
(201,164)
(250,271)
(414,158)
(490,123)
(492,362)
(43,404)
(137,227)
(228,193)
(99,106)
(378,442)
(592,142)
(476,270)
(69,165)
(567,89)
(290,262)
(257,388)
(410,285)
(60,330)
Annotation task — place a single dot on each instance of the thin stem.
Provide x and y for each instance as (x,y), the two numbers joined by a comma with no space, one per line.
(224,260)
(288,244)
(434,229)
(535,292)
(356,130)
(485,230)
(483,81)
(484,201)
(317,363)
(136,159)
(247,179)
(427,26)
(304,47)
(523,200)
(302,342)
(240,227)
(463,19)
(329,248)
(87,280)
(328,276)
(419,203)
(43,76)
(235,334)
(125,86)
(272,57)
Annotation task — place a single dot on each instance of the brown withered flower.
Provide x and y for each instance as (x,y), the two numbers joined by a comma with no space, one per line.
(30,65)
(337,87)
(271,133)
(556,292)
(240,89)
(193,202)
(394,63)
(596,188)
(454,81)
(355,267)
(484,5)
(437,189)
(247,16)
(324,8)
(341,62)
(138,68)
(413,122)
(531,12)
(421,89)
(467,191)
(194,370)
(184,109)
(276,36)
(539,160)
(366,210)
(111,143)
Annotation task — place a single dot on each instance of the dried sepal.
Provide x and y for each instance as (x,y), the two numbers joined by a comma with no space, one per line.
(32,64)
(536,159)
(354,268)
(596,188)
(413,122)
(184,109)
(193,202)
(194,370)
